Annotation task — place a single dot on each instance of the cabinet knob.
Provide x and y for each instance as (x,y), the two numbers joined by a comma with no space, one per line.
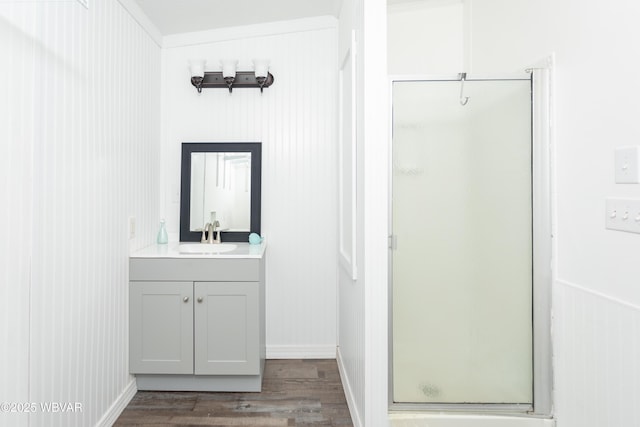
(199,299)
(185,299)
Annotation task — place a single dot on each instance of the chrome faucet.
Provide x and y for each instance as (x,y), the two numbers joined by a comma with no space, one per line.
(209,231)
(215,230)
(205,230)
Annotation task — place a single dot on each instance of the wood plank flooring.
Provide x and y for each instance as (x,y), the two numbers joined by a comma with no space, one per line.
(294,393)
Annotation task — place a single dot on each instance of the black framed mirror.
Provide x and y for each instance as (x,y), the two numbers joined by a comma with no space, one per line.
(220,181)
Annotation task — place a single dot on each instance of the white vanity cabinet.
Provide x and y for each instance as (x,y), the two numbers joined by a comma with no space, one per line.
(197,323)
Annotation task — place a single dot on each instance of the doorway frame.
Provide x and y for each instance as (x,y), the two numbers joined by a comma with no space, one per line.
(542,233)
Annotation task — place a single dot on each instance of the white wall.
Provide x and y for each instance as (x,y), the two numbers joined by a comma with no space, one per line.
(363,302)
(425,37)
(16,148)
(296,121)
(596,292)
(79,155)
(351,350)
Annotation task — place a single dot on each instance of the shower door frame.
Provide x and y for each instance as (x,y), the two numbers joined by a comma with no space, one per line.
(541,191)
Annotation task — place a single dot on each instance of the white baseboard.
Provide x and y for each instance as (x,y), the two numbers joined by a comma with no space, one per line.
(301,352)
(114,411)
(348,392)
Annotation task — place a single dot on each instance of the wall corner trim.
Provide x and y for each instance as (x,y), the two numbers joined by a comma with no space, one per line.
(143,20)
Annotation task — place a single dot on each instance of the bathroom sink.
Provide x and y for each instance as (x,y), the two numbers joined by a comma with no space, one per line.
(205,248)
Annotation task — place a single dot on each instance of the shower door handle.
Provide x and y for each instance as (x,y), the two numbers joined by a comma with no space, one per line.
(393,242)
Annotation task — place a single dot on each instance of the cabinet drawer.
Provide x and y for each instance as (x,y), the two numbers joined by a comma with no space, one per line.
(195,269)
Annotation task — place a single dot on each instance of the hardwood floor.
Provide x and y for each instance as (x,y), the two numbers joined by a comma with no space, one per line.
(294,393)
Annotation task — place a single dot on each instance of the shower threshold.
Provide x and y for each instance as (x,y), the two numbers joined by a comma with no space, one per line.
(442,419)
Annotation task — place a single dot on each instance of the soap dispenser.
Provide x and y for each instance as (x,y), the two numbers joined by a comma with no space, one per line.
(162,234)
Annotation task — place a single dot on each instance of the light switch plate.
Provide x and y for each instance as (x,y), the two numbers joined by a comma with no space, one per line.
(627,170)
(623,215)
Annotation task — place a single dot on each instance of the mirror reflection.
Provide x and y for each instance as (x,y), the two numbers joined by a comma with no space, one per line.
(220,190)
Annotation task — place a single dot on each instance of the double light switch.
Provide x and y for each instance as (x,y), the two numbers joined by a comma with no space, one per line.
(623,215)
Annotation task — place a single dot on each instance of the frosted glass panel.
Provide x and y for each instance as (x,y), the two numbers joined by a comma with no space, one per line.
(462,268)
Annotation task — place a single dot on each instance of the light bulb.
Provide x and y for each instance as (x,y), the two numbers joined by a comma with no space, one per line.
(196,66)
(229,68)
(261,67)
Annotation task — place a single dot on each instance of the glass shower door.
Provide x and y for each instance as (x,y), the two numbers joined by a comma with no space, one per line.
(462,258)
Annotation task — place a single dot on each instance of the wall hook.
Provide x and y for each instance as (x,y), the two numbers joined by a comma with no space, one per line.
(463,99)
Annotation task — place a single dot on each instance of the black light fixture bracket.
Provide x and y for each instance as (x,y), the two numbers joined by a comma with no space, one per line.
(214,79)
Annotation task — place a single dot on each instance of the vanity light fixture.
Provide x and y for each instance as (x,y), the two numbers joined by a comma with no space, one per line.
(229,77)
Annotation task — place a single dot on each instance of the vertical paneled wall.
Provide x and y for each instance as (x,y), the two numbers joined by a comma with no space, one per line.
(81,156)
(351,296)
(295,120)
(363,303)
(16,145)
(597,343)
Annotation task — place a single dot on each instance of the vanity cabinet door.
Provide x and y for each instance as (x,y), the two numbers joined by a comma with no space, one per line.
(227,328)
(161,327)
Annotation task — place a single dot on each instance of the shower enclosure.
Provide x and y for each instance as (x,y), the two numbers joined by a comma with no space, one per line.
(466,210)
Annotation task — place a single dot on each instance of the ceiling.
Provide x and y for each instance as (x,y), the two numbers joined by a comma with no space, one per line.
(184,16)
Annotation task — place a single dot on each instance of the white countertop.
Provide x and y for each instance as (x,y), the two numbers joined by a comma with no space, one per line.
(171,250)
